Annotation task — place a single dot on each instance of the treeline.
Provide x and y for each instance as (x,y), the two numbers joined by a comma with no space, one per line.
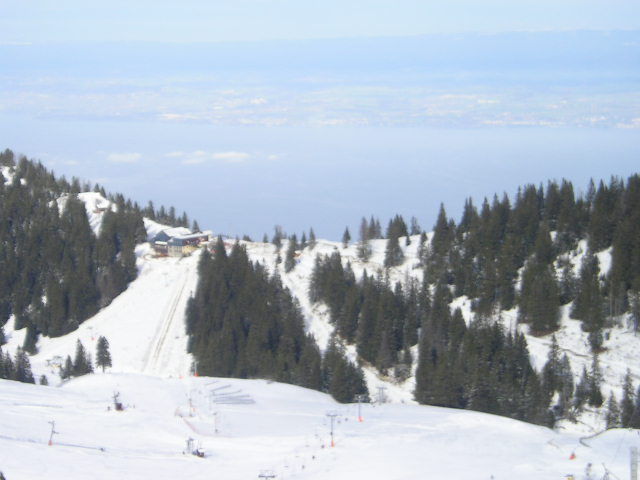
(626,413)
(17,368)
(169,217)
(481,257)
(484,256)
(243,323)
(82,363)
(478,367)
(55,272)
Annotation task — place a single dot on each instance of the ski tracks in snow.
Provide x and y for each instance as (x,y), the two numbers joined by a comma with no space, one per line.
(157,358)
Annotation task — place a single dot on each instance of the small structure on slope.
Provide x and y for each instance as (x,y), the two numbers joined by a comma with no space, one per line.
(179,245)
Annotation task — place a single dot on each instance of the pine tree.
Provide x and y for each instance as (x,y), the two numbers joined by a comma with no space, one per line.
(103,356)
(582,390)
(81,363)
(551,370)
(22,367)
(278,235)
(613,412)
(594,396)
(568,283)
(8,369)
(67,369)
(393,253)
(415,227)
(312,239)
(364,249)
(627,405)
(290,256)
(634,304)
(310,366)
(346,238)
(634,422)
(342,379)
(588,305)
(539,299)
(30,340)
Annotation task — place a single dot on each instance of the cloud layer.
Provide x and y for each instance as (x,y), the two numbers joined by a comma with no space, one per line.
(131,157)
(198,157)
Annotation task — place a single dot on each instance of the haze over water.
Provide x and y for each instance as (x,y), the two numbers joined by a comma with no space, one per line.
(299,130)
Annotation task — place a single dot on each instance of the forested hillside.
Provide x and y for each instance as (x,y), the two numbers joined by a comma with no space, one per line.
(508,255)
(431,311)
(427,310)
(56,271)
(243,323)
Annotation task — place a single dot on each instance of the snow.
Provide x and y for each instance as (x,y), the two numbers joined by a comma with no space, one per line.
(283,429)
(153,228)
(7,173)
(144,325)
(95,205)
(622,345)
(246,426)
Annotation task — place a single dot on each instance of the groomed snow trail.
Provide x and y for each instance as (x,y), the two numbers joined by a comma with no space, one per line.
(161,352)
(144,324)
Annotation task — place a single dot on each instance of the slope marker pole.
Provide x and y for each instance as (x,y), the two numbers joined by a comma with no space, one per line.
(53,432)
(332,415)
(360,398)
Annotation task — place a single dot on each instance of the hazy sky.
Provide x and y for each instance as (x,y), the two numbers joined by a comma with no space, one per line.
(251,113)
(216,20)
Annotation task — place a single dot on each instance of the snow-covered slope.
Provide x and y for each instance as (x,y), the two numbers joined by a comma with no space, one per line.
(95,204)
(248,427)
(144,325)
(317,315)
(622,345)
(7,174)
